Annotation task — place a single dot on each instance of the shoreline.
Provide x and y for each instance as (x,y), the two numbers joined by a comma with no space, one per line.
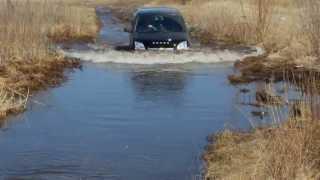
(21,76)
(31,78)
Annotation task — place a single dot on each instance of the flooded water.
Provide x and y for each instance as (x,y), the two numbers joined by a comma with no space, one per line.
(124,116)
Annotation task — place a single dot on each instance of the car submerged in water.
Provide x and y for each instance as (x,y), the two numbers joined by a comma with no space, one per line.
(158,28)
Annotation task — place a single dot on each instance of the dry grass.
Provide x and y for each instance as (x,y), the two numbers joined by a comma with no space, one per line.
(286,28)
(11,102)
(28,61)
(284,150)
(290,151)
(269,23)
(311,24)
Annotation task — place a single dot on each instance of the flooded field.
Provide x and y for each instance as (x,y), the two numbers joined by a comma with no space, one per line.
(115,122)
(124,115)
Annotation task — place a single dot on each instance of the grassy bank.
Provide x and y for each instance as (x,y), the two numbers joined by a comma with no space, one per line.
(287,149)
(28,62)
(290,151)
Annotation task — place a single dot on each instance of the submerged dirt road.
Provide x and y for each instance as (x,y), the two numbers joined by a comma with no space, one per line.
(124,115)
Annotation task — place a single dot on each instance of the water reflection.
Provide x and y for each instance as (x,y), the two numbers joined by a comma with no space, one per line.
(3,125)
(160,85)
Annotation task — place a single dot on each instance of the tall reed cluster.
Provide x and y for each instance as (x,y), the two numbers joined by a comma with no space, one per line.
(311,24)
(289,28)
(27,26)
(22,31)
(269,23)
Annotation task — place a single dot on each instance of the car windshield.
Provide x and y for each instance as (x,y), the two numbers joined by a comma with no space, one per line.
(159,23)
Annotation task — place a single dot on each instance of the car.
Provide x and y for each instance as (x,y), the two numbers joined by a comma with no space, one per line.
(158,28)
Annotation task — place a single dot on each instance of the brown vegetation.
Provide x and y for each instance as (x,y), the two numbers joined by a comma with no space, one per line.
(290,151)
(285,150)
(273,69)
(28,61)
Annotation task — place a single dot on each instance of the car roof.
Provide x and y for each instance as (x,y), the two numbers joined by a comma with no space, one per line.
(157,10)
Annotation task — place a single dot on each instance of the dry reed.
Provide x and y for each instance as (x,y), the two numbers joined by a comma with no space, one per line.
(27,57)
(284,150)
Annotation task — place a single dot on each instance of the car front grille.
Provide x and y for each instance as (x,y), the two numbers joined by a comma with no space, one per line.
(160,44)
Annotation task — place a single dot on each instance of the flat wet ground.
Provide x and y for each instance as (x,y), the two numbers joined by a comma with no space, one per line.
(120,120)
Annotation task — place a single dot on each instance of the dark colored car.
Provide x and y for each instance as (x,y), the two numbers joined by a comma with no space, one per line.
(158,27)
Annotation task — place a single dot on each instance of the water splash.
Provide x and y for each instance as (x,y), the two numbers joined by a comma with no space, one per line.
(162,57)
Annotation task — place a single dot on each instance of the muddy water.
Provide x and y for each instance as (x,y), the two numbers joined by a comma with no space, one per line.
(130,118)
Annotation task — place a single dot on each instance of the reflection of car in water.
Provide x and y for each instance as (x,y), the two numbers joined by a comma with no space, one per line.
(154,28)
(159,85)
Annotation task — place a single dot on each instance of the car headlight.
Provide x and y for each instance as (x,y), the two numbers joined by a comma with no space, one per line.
(183,45)
(139,46)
